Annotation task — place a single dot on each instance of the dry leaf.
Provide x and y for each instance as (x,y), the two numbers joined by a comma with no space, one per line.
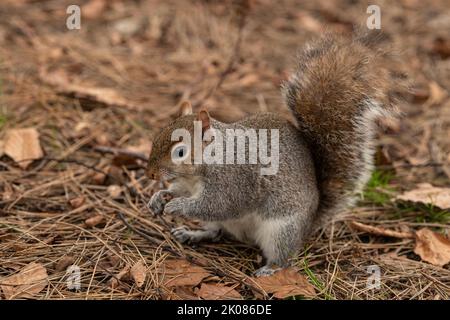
(286,283)
(64,263)
(138,273)
(432,247)
(122,275)
(99,178)
(93,221)
(182,273)
(217,292)
(441,46)
(181,293)
(31,280)
(67,86)
(114,191)
(308,22)
(249,80)
(2,148)
(93,9)
(77,202)
(437,94)
(428,194)
(23,144)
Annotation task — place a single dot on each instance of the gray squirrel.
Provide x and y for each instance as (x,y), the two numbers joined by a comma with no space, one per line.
(338,91)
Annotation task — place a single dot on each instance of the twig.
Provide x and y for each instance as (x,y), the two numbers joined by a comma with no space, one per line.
(119,151)
(381,231)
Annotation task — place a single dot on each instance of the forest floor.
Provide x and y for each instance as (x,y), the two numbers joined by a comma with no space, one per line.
(88,95)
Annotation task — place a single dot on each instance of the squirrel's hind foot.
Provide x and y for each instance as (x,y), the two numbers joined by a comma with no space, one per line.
(184,235)
(265,271)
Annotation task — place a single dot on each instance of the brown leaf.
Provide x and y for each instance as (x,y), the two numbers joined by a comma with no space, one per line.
(31,280)
(181,293)
(122,275)
(432,247)
(138,273)
(427,194)
(114,191)
(93,9)
(99,178)
(217,292)
(182,273)
(286,283)
(249,80)
(93,221)
(437,94)
(77,201)
(64,263)
(67,86)
(441,46)
(308,22)
(23,144)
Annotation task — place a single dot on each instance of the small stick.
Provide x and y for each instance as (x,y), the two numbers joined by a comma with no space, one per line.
(381,231)
(119,151)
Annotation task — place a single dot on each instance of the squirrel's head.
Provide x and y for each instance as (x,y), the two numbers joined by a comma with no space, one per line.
(172,154)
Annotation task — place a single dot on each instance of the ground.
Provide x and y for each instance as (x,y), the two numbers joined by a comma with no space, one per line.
(116,81)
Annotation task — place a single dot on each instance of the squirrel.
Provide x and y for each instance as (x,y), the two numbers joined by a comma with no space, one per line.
(337,92)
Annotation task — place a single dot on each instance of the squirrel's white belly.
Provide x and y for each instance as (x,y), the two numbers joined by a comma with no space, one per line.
(252,228)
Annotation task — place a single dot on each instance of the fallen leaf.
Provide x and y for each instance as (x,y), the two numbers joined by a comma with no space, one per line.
(432,247)
(308,22)
(31,280)
(249,80)
(114,191)
(182,273)
(286,283)
(23,144)
(122,275)
(82,125)
(427,194)
(437,94)
(181,293)
(99,178)
(77,201)
(381,231)
(93,9)
(93,221)
(2,148)
(138,273)
(441,46)
(67,86)
(64,263)
(217,292)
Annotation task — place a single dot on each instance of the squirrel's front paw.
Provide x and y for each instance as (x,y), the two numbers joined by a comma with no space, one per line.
(176,206)
(159,200)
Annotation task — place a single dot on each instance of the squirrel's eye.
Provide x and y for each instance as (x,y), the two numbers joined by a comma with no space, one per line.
(179,152)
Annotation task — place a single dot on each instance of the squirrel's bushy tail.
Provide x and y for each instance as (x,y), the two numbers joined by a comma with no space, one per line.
(337,92)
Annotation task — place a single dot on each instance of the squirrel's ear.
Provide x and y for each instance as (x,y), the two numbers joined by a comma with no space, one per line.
(203,116)
(186,108)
